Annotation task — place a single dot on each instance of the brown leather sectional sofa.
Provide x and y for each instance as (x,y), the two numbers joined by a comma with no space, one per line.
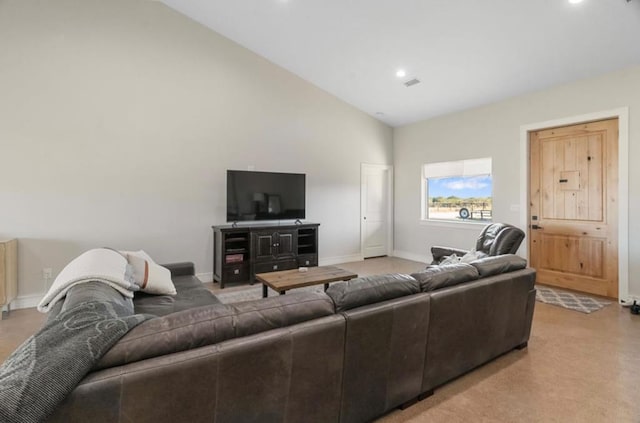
(350,355)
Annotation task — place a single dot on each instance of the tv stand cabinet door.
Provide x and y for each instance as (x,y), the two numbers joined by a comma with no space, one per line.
(263,246)
(269,245)
(286,244)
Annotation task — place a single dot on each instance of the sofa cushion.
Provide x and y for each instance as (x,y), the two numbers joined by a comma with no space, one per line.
(201,326)
(436,277)
(174,332)
(190,293)
(284,310)
(371,289)
(494,265)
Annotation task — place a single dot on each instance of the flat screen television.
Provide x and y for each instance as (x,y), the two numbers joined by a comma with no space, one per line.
(264,195)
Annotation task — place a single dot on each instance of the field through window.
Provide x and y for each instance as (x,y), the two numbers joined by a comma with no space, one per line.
(458,191)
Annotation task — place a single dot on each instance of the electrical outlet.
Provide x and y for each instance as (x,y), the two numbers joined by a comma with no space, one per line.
(47,273)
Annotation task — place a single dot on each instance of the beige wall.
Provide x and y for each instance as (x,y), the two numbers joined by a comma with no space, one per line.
(119,119)
(494,130)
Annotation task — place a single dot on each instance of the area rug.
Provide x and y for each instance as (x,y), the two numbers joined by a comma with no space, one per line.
(569,300)
(255,293)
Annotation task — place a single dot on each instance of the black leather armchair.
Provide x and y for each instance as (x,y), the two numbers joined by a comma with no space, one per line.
(494,240)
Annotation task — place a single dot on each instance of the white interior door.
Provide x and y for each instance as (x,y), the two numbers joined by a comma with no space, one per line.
(376,210)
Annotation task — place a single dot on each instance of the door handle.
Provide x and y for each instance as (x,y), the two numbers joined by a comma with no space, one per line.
(536,227)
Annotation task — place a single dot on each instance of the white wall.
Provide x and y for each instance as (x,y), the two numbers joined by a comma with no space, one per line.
(119,119)
(494,130)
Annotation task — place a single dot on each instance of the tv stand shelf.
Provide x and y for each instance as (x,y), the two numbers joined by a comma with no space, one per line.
(239,252)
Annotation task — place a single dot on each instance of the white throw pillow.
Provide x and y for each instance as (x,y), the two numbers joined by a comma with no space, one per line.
(151,277)
(452,259)
(470,256)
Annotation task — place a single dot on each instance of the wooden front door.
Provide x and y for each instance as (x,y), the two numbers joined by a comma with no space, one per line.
(573,237)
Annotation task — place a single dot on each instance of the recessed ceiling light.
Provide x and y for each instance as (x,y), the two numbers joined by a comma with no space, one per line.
(401,73)
(575,1)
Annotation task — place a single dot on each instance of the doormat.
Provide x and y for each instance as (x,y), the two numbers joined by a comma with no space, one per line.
(569,300)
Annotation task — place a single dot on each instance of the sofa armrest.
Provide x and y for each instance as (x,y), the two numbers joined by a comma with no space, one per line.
(181,269)
(438,253)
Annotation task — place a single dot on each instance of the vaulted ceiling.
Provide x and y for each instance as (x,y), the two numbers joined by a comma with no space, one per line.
(464,53)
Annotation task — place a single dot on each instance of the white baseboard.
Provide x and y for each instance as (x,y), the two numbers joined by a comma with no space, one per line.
(26,301)
(205,277)
(422,258)
(328,261)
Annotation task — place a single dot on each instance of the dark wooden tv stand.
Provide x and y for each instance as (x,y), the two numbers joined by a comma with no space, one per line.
(241,251)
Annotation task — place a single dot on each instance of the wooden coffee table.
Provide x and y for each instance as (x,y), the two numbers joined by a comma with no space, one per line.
(289,279)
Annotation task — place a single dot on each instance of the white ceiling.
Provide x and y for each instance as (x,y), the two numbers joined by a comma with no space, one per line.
(466,53)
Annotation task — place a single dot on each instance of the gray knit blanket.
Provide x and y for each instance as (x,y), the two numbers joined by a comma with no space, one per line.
(40,374)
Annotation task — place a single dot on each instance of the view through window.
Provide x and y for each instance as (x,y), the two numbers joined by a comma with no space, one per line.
(458,191)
